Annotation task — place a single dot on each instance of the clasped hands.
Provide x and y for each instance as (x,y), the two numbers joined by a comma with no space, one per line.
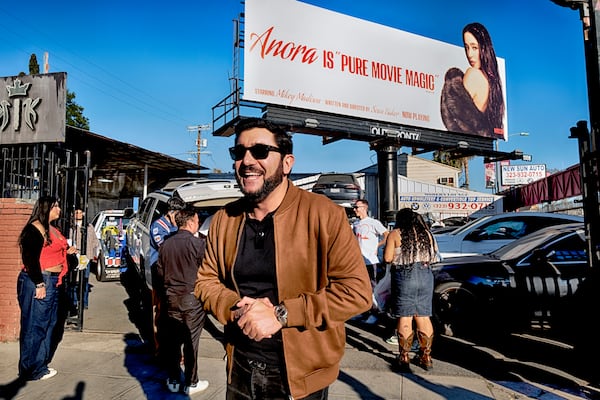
(257,318)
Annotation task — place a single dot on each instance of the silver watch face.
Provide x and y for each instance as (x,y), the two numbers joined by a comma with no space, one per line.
(281,313)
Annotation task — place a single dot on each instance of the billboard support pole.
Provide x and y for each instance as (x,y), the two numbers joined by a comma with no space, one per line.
(387,170)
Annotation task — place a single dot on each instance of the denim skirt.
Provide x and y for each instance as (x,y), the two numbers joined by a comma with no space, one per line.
(412,290)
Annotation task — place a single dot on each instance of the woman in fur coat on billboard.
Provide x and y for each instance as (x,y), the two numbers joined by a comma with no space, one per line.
(472,102)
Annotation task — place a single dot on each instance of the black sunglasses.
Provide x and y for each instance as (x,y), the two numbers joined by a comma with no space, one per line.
(259,151)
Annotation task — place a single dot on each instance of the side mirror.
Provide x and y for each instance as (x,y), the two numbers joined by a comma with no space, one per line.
(539,256)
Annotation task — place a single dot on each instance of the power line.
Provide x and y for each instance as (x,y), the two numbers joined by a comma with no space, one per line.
(144,101)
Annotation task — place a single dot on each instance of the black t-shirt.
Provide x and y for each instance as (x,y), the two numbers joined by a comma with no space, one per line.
(254,272)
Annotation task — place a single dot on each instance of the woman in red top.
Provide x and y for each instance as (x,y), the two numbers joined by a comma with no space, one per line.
(44,253)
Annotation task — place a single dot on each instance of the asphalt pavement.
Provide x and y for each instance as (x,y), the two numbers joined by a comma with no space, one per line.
(107,360)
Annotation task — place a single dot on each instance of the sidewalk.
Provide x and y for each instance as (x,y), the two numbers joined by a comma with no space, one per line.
(107,366)
(111,364)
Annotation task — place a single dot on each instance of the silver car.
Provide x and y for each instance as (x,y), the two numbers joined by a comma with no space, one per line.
(491,232)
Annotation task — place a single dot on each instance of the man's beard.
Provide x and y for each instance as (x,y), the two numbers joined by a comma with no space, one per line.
(267,188)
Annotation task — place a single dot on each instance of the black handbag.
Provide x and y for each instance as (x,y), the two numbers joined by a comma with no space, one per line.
(72,261)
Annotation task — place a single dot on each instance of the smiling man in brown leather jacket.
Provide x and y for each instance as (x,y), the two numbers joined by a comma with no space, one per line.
(283,272)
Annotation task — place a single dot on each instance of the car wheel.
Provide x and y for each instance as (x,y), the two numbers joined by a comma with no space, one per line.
(101,269)
(454,309)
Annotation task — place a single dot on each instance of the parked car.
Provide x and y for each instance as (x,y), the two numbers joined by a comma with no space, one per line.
(528,284)
(449,224)
(456,221)
(341,188)
(442,229)
(490,232)
(110,226)
(205,195)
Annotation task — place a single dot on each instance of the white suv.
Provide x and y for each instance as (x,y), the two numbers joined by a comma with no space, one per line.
(205,195)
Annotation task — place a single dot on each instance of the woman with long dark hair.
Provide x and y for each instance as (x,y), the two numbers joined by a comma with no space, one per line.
(44,253)
(473,102)
(411,249)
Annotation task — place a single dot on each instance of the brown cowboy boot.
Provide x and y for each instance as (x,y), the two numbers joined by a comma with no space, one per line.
(405,344)
(425,345)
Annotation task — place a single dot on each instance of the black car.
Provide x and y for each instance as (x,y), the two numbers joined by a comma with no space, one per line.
(341,188)
(529,284)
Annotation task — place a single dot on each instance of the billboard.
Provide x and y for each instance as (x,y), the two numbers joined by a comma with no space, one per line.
(490,175)
(522,174)
(348,66)
(33,108)
(452,204)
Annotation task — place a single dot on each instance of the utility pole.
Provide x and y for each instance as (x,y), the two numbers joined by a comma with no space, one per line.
(46,62)
(589,140)
(589,146)
(199,144)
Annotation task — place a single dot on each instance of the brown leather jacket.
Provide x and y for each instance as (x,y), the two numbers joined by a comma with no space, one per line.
(321,278)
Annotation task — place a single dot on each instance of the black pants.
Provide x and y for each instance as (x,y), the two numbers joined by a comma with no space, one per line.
(183,325)
(376,272)
(254,380)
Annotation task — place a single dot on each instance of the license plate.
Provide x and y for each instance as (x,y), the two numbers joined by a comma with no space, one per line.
(334,190)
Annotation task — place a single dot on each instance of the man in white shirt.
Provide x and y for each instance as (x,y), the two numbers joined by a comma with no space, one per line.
(371,235)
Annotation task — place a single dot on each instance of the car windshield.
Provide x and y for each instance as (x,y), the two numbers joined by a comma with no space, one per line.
(529,242)
(117,221)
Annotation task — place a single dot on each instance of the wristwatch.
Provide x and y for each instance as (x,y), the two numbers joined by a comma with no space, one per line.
(281,314)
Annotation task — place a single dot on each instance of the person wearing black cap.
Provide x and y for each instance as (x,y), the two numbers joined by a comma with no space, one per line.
(164,227)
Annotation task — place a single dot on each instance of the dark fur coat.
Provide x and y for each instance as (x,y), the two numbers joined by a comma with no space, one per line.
(459,112)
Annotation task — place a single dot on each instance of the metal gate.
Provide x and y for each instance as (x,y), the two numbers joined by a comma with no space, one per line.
(29,171)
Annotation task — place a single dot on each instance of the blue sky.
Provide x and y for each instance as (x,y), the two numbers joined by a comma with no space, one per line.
(146,71)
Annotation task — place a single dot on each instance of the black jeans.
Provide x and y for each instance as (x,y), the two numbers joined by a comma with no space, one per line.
(252,380)
(376,272)
(183,325)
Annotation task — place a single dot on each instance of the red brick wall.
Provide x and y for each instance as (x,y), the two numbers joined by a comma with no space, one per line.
(13,216)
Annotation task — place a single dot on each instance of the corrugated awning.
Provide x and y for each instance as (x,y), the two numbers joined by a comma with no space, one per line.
(121,170)
(112,155)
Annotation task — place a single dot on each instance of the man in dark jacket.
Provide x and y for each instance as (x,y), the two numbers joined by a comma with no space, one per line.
(178,261)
